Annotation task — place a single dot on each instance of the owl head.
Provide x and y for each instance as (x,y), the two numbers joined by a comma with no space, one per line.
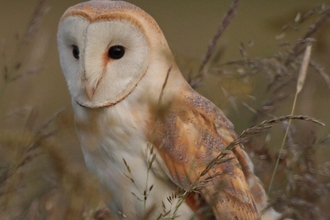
(106,48)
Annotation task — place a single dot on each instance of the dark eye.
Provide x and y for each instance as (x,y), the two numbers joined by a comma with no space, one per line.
(116,52)
(75,52)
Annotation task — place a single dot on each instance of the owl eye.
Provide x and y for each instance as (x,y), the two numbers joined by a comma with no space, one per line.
(116,52)
(75,52)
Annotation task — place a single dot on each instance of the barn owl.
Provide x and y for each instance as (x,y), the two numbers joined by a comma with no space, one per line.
(144,132)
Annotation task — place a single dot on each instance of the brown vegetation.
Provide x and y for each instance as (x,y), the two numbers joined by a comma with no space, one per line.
(39,181)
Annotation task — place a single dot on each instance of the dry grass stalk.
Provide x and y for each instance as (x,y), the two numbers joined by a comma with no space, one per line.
(300,168)
(12,70)
(300,83)
(280,72)
(195,81)
(298,48)
(164,85)
(321,71)
(221,158)
(35,22)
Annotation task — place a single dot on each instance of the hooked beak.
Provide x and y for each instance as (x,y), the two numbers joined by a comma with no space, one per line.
(90,92)
(91,88)
(90,81)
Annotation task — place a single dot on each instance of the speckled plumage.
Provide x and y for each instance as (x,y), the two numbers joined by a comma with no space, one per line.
(120,117)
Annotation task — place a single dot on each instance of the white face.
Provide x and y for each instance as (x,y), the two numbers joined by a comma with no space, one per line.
(103,60)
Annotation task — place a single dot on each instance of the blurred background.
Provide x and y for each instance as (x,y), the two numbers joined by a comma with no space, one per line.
(42,173)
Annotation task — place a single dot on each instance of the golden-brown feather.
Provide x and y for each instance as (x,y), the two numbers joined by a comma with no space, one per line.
(190,133)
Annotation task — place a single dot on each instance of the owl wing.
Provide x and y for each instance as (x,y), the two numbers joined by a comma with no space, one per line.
(188,135)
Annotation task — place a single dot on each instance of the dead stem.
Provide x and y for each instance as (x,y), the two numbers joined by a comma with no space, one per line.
(195,81)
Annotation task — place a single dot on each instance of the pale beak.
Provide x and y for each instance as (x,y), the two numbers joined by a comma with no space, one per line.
(90,92)
(90,87)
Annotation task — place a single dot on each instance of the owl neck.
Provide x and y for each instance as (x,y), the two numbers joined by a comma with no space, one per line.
(139,109)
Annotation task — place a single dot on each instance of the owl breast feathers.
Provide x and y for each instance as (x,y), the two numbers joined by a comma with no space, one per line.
(152,141)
